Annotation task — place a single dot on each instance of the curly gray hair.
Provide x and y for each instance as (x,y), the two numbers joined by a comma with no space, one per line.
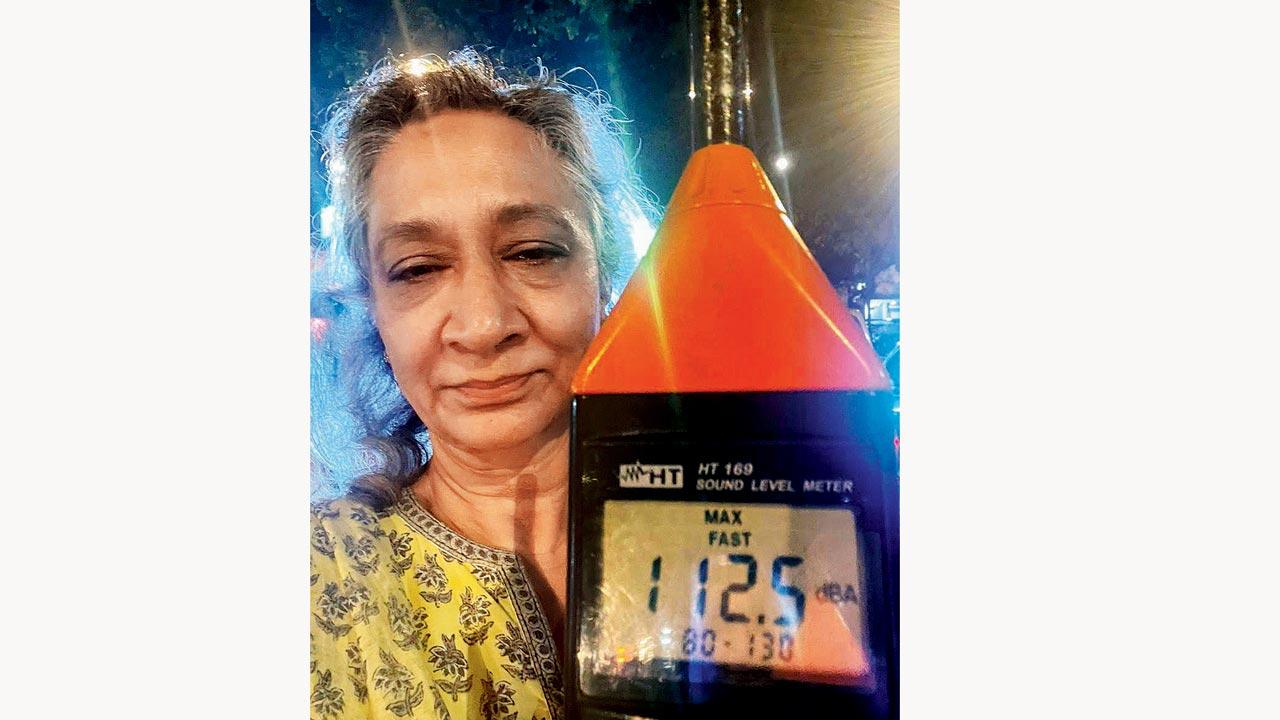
(578,126)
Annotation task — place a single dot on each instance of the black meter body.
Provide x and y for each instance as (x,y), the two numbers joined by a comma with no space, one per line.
(733,555)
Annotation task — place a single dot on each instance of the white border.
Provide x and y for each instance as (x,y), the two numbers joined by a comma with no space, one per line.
(1089,225)
(1088,232)
(156,309)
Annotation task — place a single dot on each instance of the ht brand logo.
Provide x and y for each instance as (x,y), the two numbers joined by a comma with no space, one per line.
(636,475)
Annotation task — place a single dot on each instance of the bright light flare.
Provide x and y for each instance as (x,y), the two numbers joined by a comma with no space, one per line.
(782,163)
(639,228)
(337,170)
(417,67)
(849,130)
(327,216)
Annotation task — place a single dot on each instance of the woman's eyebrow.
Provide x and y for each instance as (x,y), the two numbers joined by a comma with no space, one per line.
(404,231)
(514,213)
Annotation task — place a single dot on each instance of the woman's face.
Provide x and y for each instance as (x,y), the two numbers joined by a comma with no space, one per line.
(485,285)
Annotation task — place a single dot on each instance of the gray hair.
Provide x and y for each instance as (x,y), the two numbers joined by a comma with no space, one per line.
(391,447)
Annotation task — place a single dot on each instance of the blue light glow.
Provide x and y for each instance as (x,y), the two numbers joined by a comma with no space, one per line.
(639,228)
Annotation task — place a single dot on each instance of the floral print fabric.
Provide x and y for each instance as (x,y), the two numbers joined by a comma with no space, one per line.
(411,620)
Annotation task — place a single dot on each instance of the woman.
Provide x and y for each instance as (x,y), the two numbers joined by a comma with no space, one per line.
(480,223)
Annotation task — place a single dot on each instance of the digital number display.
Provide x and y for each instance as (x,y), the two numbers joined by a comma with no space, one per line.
(767,586)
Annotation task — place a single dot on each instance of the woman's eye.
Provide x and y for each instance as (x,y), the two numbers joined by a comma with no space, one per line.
(537,255)
(413,272)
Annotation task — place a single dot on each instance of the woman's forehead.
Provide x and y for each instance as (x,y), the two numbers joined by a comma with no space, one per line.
(460,143)
(458,159)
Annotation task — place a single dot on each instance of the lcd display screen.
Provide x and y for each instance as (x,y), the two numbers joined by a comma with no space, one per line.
(765,587)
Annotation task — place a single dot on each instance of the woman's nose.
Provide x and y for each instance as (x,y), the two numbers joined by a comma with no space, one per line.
(485,316)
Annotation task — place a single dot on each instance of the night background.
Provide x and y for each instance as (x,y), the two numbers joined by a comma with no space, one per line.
(835,66)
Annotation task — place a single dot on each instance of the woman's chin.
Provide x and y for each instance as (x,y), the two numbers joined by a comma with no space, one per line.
(497,432)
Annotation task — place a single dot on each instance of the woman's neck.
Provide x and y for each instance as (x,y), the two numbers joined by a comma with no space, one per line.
(516,501)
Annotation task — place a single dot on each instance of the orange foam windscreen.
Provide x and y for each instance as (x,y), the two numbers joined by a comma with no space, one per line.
(728,299)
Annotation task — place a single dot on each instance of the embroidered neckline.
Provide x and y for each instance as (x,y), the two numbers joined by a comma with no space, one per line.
(533,620)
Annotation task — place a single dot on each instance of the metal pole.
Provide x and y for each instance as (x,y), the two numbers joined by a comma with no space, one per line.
(721,60)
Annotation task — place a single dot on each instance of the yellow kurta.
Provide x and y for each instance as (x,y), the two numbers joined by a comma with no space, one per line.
(410,619)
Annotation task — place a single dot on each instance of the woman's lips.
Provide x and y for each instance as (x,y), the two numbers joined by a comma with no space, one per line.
(500,391)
